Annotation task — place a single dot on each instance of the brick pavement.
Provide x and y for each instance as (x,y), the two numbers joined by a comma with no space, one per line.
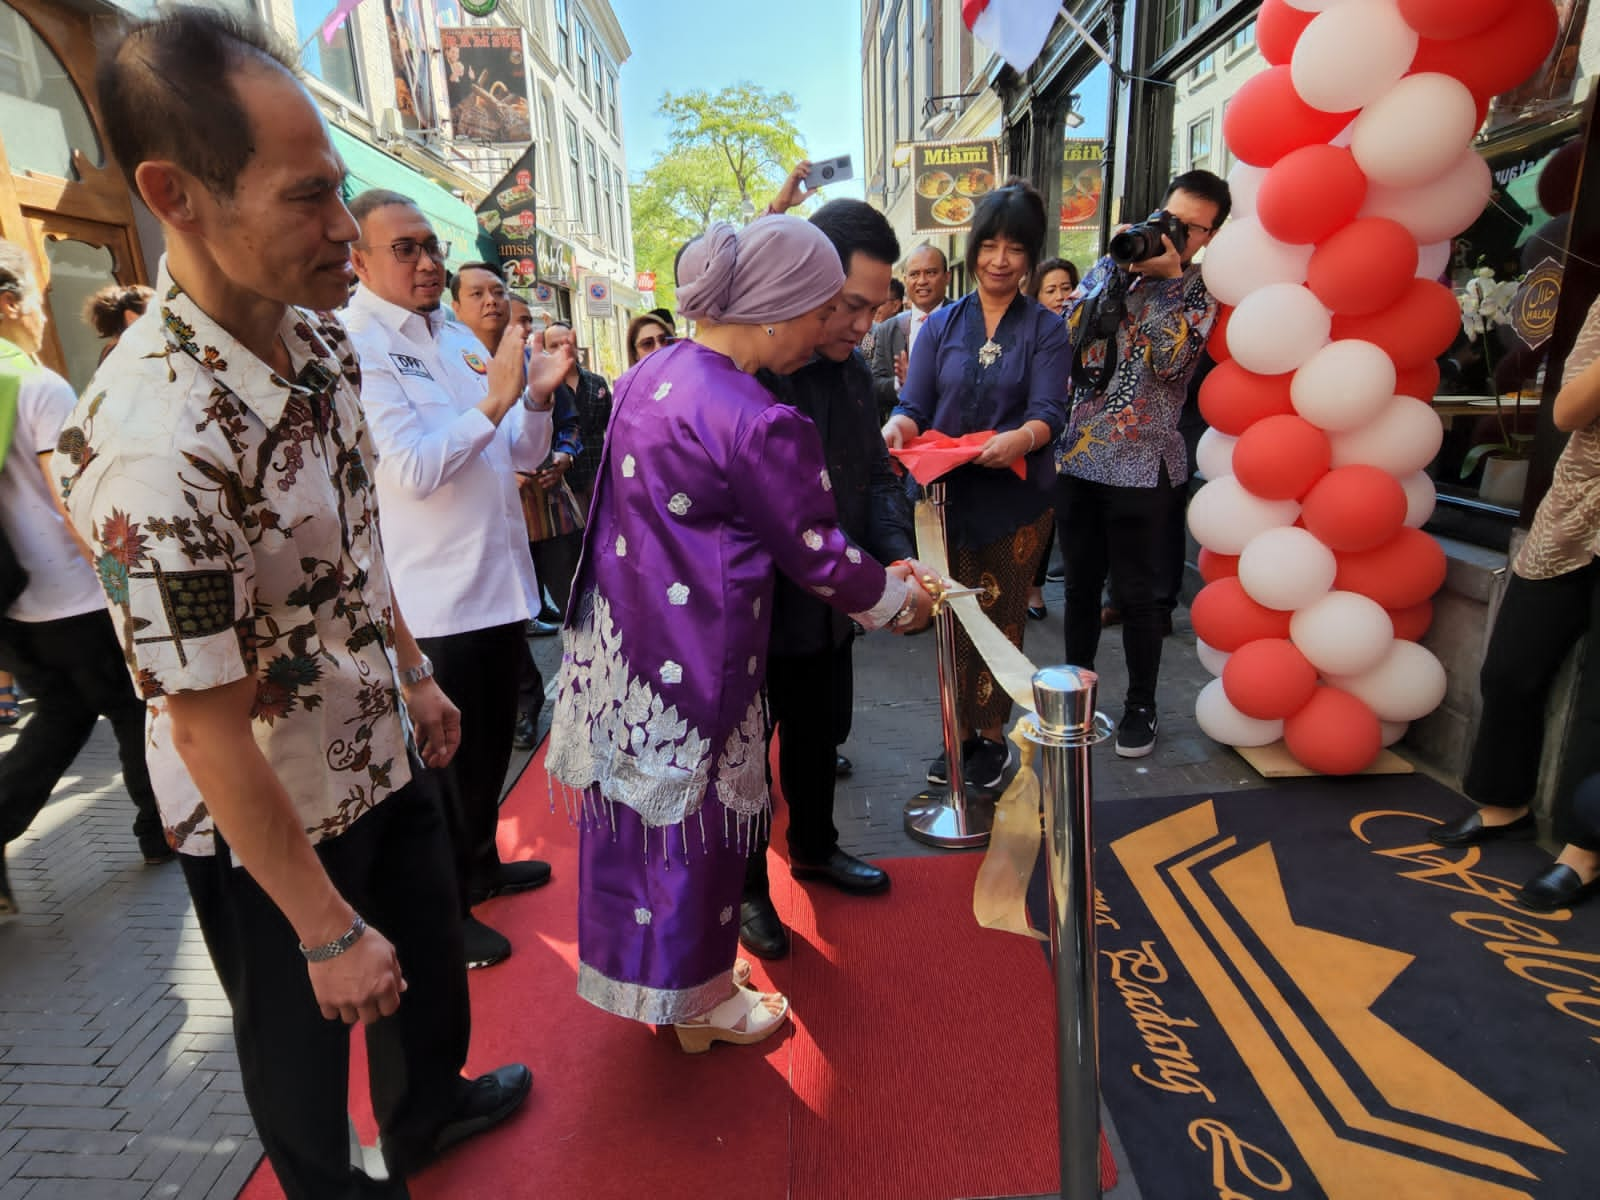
(117,1075)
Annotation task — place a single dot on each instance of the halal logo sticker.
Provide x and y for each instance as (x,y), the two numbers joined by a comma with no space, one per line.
(1533,311)
(476,363)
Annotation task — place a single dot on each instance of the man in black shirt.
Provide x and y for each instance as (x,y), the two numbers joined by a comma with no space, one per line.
(808,666)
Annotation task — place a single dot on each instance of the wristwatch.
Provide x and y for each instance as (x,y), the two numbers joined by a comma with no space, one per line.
(416,674)
(339,944)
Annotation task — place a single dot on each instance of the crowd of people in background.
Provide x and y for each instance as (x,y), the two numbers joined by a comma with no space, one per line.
(293,538)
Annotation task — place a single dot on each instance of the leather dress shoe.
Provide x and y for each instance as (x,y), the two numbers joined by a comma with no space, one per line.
(485,1102)
(845,871)
(760,930)
(1471,831)
(521,876)
(484,947)
(541,629)
(526,734)
(842,766)
(1557,886)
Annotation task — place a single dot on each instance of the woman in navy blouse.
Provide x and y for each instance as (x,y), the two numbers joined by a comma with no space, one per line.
(994,360)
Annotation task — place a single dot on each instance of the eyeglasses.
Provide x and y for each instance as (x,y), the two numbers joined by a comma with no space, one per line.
(652,342)
(1197,230)
(406,250)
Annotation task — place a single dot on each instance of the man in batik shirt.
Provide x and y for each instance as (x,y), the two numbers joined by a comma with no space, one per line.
(219,468)
(1122,459)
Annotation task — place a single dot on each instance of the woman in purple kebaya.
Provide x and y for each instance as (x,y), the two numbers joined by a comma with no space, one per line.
(708,486)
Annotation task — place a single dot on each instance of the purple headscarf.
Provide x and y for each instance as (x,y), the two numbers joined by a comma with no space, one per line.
(771,270)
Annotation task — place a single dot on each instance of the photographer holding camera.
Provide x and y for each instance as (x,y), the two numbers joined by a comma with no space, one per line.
(1139,325)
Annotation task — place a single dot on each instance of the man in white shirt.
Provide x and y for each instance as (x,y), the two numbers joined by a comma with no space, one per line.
(452,425)
(927,283)
(55,635)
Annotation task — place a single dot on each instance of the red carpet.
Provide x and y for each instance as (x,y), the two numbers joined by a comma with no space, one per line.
(920,1064)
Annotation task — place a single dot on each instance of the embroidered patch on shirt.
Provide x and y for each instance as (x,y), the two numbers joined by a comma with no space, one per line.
(475,362)
(407,365)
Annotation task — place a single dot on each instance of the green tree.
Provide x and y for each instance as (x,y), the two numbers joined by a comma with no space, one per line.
(728,152)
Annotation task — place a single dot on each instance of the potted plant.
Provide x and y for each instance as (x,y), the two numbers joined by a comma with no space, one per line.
(1486,305)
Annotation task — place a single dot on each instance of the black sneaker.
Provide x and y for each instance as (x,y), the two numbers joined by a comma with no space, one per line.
(526,734)
(939,770)
(1136,735)
(7,903)
(986,763)
(154,848)
(484,947)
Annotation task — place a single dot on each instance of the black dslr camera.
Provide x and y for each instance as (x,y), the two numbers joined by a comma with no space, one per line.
(1141,242)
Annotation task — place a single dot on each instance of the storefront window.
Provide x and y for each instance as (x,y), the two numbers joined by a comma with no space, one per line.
(1082,172)
(331,61)
(77,271)
(42,117)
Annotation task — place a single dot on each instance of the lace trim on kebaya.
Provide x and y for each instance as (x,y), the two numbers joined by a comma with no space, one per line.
(612,730)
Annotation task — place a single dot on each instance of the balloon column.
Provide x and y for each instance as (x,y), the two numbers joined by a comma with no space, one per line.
(1355,170)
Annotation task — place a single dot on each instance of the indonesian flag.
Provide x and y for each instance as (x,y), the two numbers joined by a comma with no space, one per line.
(1014,29)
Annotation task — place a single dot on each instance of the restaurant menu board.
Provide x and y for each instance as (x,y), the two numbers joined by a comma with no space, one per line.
(1081,183)
(947,181)
(486,79)
(508,216)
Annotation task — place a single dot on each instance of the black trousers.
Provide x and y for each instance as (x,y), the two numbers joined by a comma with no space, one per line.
(394,867)
(808,696)
(74,670)
(1127,532)
(555,560)
(1540,620)
(478,670)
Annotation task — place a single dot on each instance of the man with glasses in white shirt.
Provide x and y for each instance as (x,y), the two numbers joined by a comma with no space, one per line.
(452,424)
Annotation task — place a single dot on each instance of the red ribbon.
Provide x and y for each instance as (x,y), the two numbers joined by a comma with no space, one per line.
(930,455)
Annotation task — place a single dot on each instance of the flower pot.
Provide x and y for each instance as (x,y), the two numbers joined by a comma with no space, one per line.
(1504,481)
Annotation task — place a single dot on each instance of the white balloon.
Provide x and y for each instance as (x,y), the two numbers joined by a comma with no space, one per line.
(1243,257)
(1287,568)
(1313,5)
(1401,439)
(1433,259)
(1437,210)
(1344,633)
(1415,131)
(1276,328)
(1210,657)
(1407,685)
(1421,496)
(1224,517)
(1393,731)
(1244,181)
(1352,54)
(1214,454)
(1343,385)
(1222,722)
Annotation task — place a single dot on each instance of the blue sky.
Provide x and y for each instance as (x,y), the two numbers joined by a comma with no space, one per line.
(811,50)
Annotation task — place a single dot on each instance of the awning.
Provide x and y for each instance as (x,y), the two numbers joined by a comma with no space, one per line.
(453,220)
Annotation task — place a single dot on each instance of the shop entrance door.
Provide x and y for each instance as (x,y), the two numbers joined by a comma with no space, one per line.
(82,257)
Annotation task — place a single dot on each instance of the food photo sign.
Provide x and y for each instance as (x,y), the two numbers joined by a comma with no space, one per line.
(947,181)
(1081,183)
(486,78)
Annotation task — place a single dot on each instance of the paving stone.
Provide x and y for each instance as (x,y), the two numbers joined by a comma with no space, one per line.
(79,1166)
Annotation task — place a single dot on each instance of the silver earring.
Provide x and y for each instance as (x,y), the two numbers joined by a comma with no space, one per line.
(769,331)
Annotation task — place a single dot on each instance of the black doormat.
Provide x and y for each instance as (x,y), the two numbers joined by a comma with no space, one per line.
(1300,995)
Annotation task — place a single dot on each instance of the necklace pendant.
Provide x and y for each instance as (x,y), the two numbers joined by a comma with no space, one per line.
(988,353)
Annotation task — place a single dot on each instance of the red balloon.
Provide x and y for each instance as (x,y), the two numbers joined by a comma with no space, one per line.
(1279,458)
(1355,508)
(1497,58)
(1266,119)
(1278,28)
(1415,329)
(1217,340)
(1214,566)
(1411,623)
(1363,268)
(1309,193)
(1446,19)
(1334,733)
(1421,381)
(1233,399)
(1402,573)
(1268,679)
(1225,618)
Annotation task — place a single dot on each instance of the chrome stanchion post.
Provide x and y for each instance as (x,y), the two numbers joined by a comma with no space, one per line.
(945,817)
(1067,727)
